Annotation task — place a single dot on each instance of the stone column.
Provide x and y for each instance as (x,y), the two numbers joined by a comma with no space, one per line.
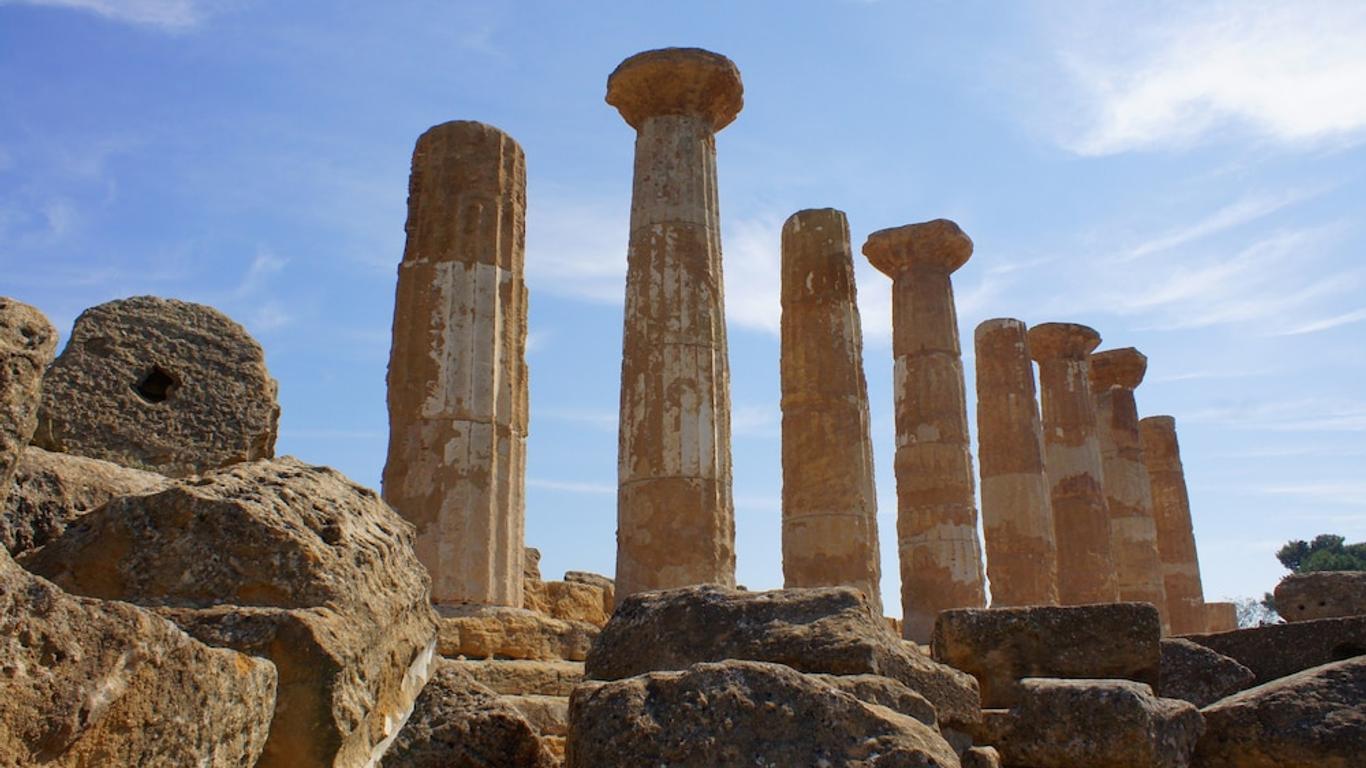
(1221,617)
(941,560)
(675,515)
(1175,536)
(1017,513)
(829,499)
(1115,373)
(1086,570)
(457,369)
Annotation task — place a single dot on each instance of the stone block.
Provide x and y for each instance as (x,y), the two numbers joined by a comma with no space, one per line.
(1001,646)
(1194,673)
(1321,595)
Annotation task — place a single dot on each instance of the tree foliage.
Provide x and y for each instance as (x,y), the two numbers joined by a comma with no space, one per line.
(1327,552)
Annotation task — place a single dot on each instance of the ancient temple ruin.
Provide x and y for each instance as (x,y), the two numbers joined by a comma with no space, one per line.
(941,559)
(675,514)
(829,497)
(189,599)
(457,368)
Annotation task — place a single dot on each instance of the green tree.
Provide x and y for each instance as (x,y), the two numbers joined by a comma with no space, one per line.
(1327,552)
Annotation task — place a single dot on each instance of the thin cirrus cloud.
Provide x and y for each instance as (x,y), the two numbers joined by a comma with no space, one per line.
(1293,73)
(168,15)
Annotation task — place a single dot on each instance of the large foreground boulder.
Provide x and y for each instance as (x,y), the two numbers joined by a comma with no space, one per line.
(831,630)
(283,560)
(458,723)
(92,683)
(740,713)
(52,490)
(1321,595)
(27,341)
(1277,650)
(1093,723)
(1314,718)
(162,385)
(1192,672)
(1001,646)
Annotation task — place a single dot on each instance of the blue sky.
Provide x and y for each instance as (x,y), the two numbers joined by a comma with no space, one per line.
(1187,178)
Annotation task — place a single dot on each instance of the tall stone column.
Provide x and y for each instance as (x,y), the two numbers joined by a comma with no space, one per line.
(457,368)
(1221,617)
(1017,512)
(675,515)
(941,560)
(829,498)
(1175,535)
(1086,569)
(1115,373)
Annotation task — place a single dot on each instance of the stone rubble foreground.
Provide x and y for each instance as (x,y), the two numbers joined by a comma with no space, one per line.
(172,595)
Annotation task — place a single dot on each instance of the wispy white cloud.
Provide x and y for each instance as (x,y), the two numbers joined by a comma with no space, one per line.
(169,15)
(1147,77)
(1231,216)
(1349,493)
(600,489)
(752,250)
(1304,415)
(1207,374)
(1314,326)
(577,247)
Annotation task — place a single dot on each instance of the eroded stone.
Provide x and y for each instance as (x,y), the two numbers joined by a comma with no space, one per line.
(161,385)
(283,560)
(941,559)
(675,514)
(1175,534)
(829,496)
(1017,509)
(820,630)
(1002,646)
(1321,595)
(741,713)
(1081,519)
(457,370)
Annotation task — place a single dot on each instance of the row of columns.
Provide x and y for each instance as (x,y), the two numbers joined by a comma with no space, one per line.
(1081,501)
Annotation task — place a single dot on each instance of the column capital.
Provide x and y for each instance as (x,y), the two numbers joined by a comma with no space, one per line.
(676,81)
(1121,368)
(939,242)
(1067,341)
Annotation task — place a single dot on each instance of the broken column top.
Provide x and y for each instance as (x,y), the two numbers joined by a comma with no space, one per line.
(939,242)
(999,325)
(1050,341)
(1122,368)
(676,81)
(1159,438)
(834,227)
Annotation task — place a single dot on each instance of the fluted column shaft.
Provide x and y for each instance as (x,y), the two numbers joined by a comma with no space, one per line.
(829,496)
(675,515)
(1086,570)
(941,558)
(1175,534)
(1115,374)
(457,369)
(1017,511)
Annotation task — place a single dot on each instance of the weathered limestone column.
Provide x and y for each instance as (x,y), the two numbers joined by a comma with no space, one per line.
(1115,373)
(675,515)
(457,369)
(829,498)
(1086,570)
(1221,617)
(1017,512)
(941,559)
(1175,535)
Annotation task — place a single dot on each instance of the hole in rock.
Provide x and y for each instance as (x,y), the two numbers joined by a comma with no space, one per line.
(156,386)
